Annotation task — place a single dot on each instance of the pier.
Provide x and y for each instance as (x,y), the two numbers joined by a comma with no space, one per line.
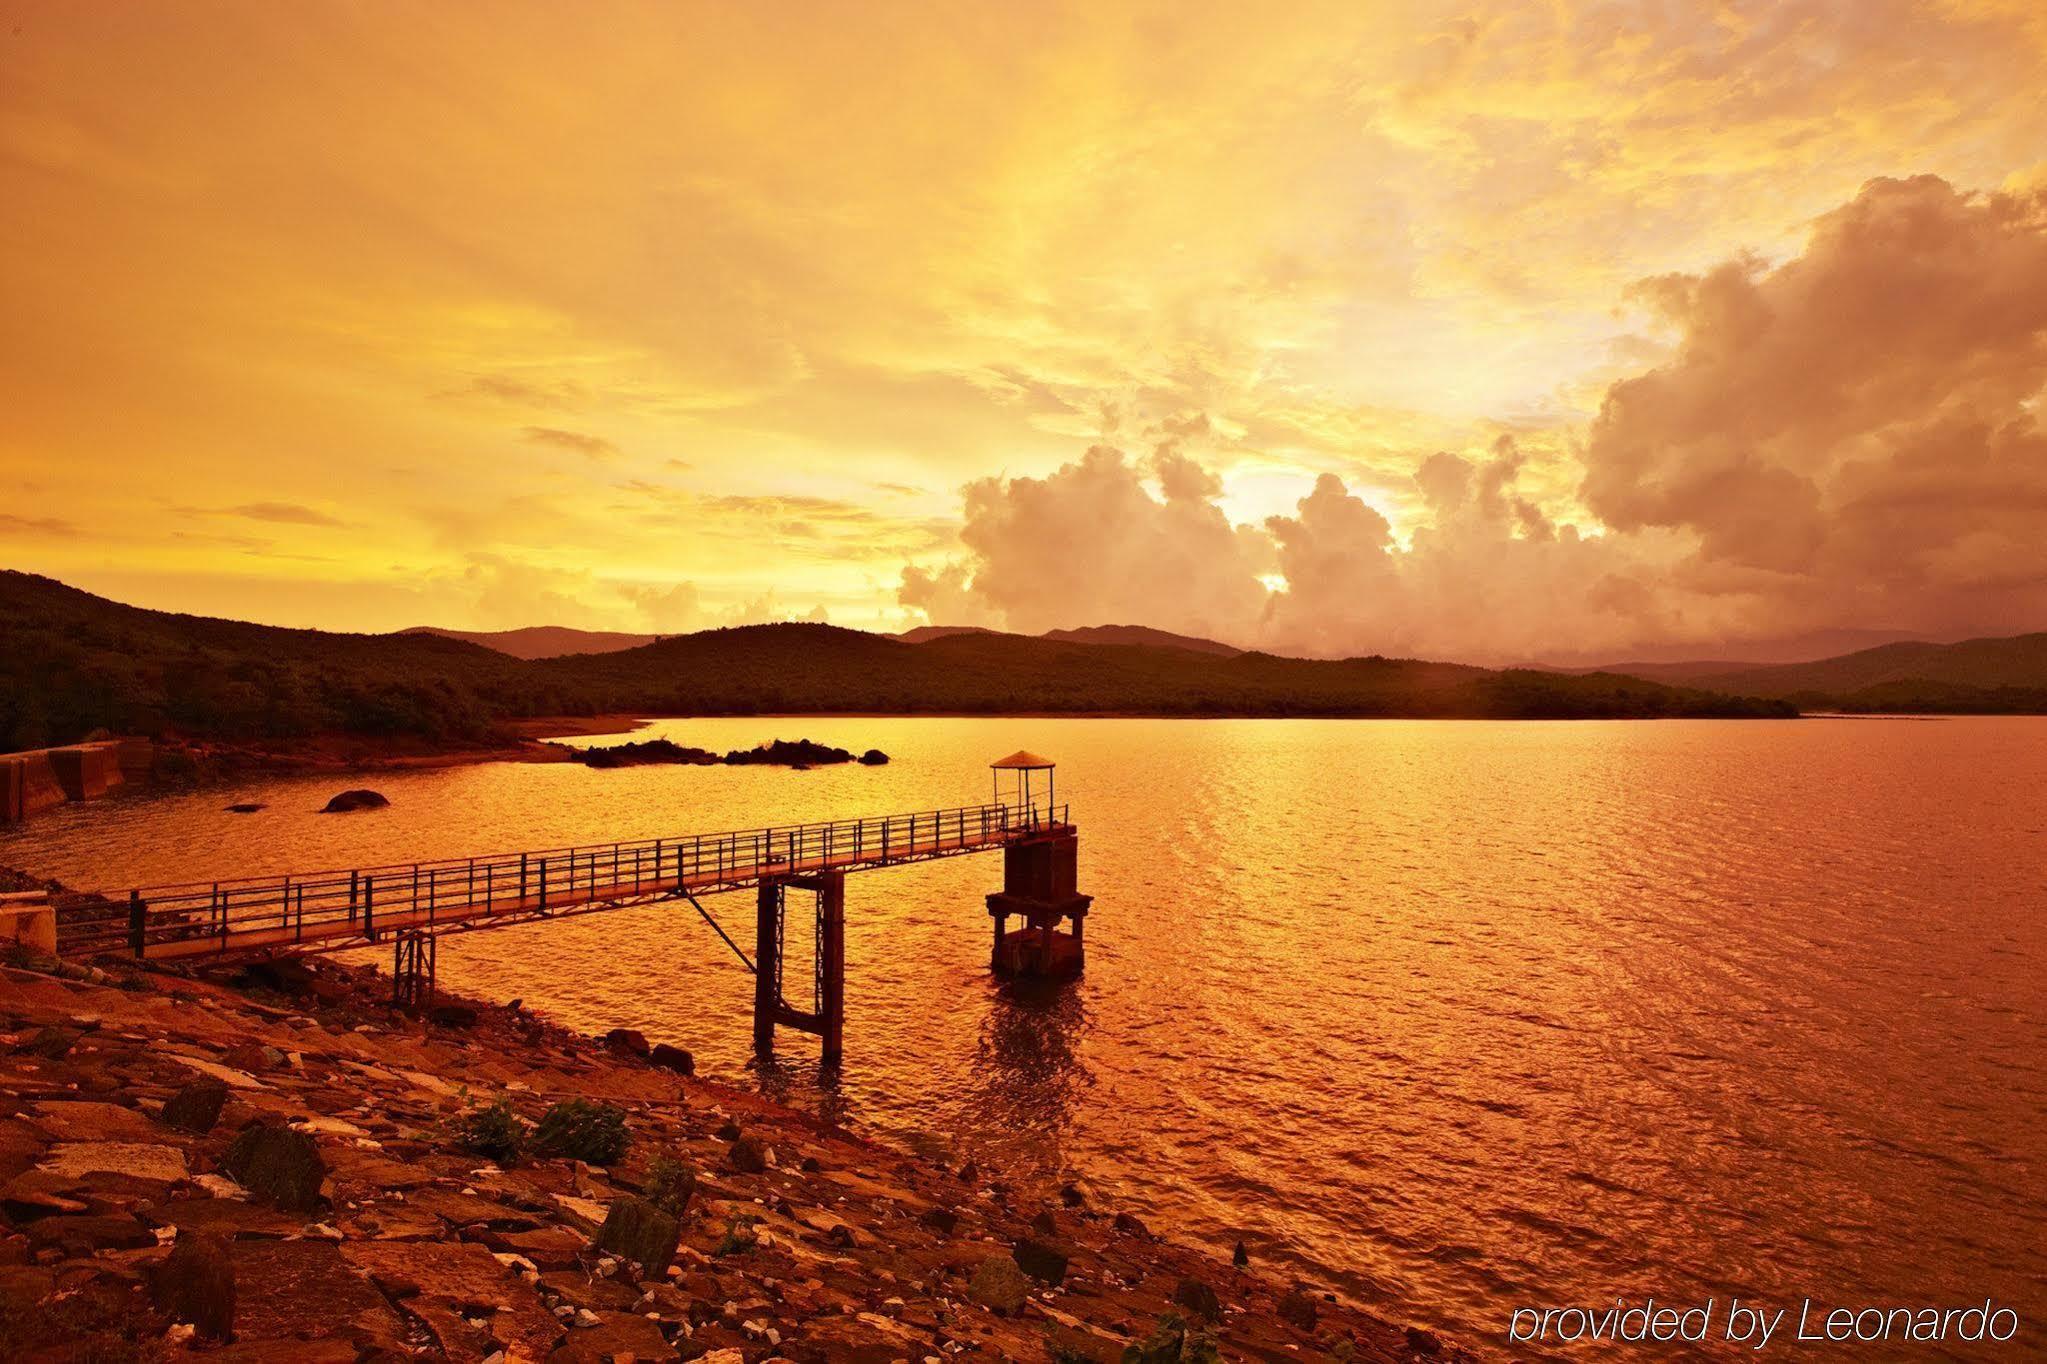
(412,905)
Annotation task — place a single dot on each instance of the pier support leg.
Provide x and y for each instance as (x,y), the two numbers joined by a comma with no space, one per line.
(412,971)
(831,965)
(767,961)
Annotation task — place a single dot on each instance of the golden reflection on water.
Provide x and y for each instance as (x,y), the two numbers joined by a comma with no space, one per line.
(1460,1015)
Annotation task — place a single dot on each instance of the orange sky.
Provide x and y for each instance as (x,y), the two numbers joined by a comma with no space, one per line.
(657,316)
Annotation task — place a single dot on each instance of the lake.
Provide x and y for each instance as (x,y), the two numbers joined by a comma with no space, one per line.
(1451,1017)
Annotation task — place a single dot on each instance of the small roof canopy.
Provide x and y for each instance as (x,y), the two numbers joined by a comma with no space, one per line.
(1024,760)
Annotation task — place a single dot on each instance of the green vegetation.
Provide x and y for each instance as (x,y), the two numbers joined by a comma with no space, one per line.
(581,1130)
(72,663)
(492,1130)
(669,1185)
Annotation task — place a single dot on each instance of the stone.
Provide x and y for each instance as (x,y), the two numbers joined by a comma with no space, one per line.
(278,1165)
(84,1234)
(1041,1260)
(197,1285)
(51,1043)
(673,1058)
(999,1285)
(1130,1224)
(617,1336)
(253,1057)
(453,1015)
(1423,1342)
(728,1131)
(941,1220)
(245,807)
(137,1160)
(629,1041)
(641,1232)
(1297,1309)
(873,757)
(747,1156)
(360,799)
(1072,1195)
(196,1107)
(1240,1257)
(1198,1298)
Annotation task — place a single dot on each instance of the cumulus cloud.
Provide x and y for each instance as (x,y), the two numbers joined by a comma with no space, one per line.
(1849,439)
(1855,435)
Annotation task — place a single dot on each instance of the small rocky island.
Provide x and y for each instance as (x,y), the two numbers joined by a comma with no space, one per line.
(799,755)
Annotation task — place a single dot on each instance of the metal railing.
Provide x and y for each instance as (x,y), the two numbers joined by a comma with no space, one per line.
(331,909)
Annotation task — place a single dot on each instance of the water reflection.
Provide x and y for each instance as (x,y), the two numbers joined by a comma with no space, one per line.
(1029,1075)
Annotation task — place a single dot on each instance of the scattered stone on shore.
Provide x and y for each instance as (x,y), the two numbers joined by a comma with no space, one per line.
(359,799)
(1297,1309)
(1240,1256)
(629,1041)
(281,1166)
(196,1284)
(196,1107)
(245,807)
(404,1244)
(673,1058)
(1198,1298)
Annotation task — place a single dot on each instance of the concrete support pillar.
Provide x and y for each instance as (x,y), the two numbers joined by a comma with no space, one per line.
(767,962)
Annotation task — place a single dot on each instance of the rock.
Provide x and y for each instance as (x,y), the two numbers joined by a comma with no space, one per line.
(252,1057)
(1423,1342)
(1071,1195)
(629,1041)
(278,1165)
(616,1336)
(873,757)
(941,1220)
(452,1015)
(136,1160)
(246,807)
(197,1285)
(641,1232)
(747,1156)
(1044,1226)
(783,753)
(51,1043)
(999,1285)
(1240,1257)
(644,753)
(196,1107)
(673,1058)
(360,799)
(1130,1224)
(729,1131)
(1041,1260)
(1297,1309)
(1198,1298)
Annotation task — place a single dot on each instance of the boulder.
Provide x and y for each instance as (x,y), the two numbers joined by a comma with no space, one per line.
(641,1232)
(453,1015)
(51,1043)
(1423,1342)
(628,1041)
(873,757)
(197,1285)
(278,1165)
(747,1156)
(1198,1298)
(1130,1224)
(360,799)
(252,1057)
(196,1107)
(1240,1257)
(673,1058)
(941,1220)
(999,1285)
(1297,1309)
(1042,1260)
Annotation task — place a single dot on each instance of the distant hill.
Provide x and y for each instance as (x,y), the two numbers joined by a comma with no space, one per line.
(1140,635)
(923,634)
(541,641)
(1975,674)
(71,662)
(1682,663)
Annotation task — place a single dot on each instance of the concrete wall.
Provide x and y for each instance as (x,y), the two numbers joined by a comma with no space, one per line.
(34,781)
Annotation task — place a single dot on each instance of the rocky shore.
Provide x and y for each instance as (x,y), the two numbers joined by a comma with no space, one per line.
(276,1165)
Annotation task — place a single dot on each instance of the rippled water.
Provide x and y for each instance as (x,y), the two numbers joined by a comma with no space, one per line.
(1452,1016)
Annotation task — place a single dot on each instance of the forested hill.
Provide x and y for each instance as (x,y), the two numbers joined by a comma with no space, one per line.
(71,663)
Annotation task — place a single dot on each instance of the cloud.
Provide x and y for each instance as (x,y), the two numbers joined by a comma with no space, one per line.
(281,513)
(36,525)
(667,608)
(1854,435)
(582,443)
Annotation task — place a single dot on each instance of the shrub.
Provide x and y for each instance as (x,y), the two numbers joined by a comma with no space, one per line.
(739,1238)
(669,1185)
(492,1130)
(581,1130)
